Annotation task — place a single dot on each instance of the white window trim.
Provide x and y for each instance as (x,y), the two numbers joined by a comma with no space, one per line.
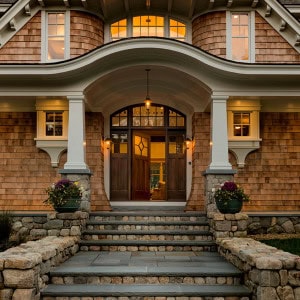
(44,35)
(251,35)
(241,146)
(53,145)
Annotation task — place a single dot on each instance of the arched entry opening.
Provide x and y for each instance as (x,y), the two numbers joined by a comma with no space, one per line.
(148,154)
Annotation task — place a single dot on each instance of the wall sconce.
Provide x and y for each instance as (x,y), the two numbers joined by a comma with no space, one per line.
(188,142)
(107,142)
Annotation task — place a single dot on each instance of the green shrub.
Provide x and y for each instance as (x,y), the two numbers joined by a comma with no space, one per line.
(289,245)
(6,223)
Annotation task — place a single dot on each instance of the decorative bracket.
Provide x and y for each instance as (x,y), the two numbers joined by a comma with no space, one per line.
(12,24)
(268,11)
(241,149)
(27,10)
(283,25)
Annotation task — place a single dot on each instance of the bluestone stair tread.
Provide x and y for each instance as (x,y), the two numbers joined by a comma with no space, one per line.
(218,271)
(146,243)
(79,290)
(158,213)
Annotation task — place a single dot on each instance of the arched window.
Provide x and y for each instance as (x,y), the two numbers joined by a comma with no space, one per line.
(156,116)
(148,25)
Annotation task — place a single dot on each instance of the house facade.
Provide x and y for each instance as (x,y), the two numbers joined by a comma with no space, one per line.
(152,100)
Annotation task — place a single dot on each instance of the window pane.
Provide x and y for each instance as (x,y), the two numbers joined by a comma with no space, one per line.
(54,125)
(119,143)
(56,48)
(56,36)
(241,124)
(60,19)
(240,49)
(240,37)
(118,29)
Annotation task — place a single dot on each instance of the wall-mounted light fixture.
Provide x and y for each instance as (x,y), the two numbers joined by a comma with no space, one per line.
(188,142)
(107,142)
(147,101)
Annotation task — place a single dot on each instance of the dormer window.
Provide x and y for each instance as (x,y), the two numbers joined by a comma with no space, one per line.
(240,36)
(55,41)
(148,25)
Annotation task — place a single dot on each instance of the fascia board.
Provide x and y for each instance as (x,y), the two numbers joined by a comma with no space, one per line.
(107,53)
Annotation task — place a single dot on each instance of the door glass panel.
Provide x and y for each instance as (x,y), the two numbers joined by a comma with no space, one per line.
(119,143)
(158,168)
(176,144)
(140,146)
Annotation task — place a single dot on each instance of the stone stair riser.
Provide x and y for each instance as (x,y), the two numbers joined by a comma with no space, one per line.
(147,248)
(153,237)
(144,298)
(146,227)
(203,280)
(148,218)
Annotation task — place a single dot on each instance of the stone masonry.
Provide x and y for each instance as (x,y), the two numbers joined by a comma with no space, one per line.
(270,273)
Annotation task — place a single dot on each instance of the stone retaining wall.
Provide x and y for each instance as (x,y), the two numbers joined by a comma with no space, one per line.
(24,269)
(268,272)
(262,224)
(34,227)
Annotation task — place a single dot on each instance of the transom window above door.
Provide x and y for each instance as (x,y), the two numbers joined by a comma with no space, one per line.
(148,25)
(155,116)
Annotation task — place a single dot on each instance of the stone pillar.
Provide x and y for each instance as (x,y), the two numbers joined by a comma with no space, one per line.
(219,136)
(213,181)
(76,134)
(83,178)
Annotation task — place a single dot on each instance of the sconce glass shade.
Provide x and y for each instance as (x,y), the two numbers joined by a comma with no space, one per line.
(107,142)
(148,103)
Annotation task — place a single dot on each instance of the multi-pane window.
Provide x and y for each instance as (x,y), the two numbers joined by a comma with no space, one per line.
(148,26)
(241,124)
(240,37)
(118,30)
(54,123)
(56,36)
(175,119)
(120,119)
(177,30)
(154,116)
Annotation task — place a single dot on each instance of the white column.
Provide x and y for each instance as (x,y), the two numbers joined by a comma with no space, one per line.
(219,136)
(76,134)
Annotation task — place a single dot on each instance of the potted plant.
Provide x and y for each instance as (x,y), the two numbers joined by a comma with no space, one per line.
(64,195)
(229,198)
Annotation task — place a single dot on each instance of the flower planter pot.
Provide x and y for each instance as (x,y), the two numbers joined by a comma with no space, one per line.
(71,205)
(232,206)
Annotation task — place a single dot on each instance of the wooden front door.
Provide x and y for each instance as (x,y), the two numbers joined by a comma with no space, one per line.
(140,185)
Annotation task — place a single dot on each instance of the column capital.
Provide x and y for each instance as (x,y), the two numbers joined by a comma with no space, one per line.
(220,98)
(76,97)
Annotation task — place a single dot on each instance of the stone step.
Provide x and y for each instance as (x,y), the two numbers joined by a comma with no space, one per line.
(147,225)
(146,245)
(160,235)
(145,291)
(148,216)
